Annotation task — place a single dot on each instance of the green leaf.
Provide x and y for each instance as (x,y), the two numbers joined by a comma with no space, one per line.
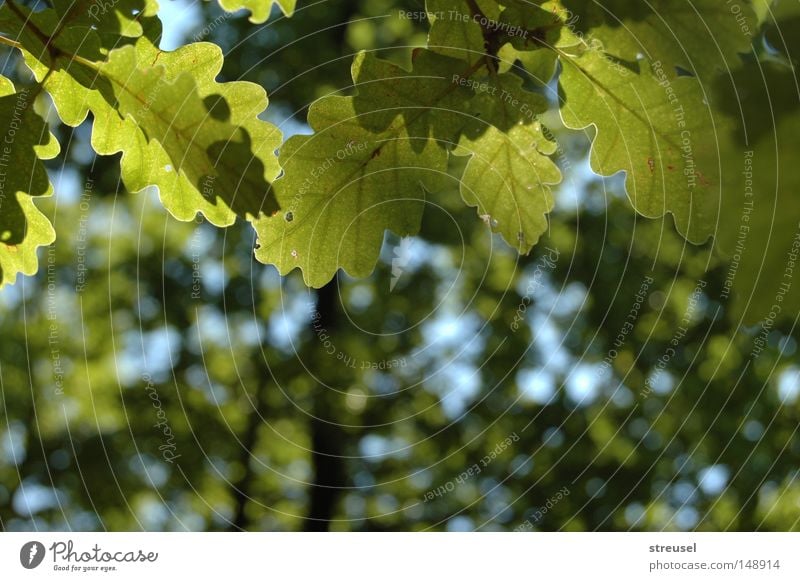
(509,172)
(536,30)
(259,9)
(343,188)
(528,27)
(700,36)
(431,99)
(760,232)
(199,141)
(454,32)
(366,168)
(62,45)
(360,173)
(540,65)
(113,24)
(25,141)
(86,28)
(658,130)
(507,179)
(759,226)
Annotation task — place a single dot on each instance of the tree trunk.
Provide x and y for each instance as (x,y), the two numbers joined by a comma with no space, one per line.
(327,438)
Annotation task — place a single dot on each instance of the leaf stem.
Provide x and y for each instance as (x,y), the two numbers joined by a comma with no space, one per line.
(9,42)
(495,37)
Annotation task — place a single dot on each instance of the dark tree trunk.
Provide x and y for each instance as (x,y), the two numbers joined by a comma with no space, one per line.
(327,438)
(242,488)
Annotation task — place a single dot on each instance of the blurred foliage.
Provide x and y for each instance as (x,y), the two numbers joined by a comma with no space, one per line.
(154,376)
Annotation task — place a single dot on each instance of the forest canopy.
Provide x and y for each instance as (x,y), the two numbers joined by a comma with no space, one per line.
(387,265)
